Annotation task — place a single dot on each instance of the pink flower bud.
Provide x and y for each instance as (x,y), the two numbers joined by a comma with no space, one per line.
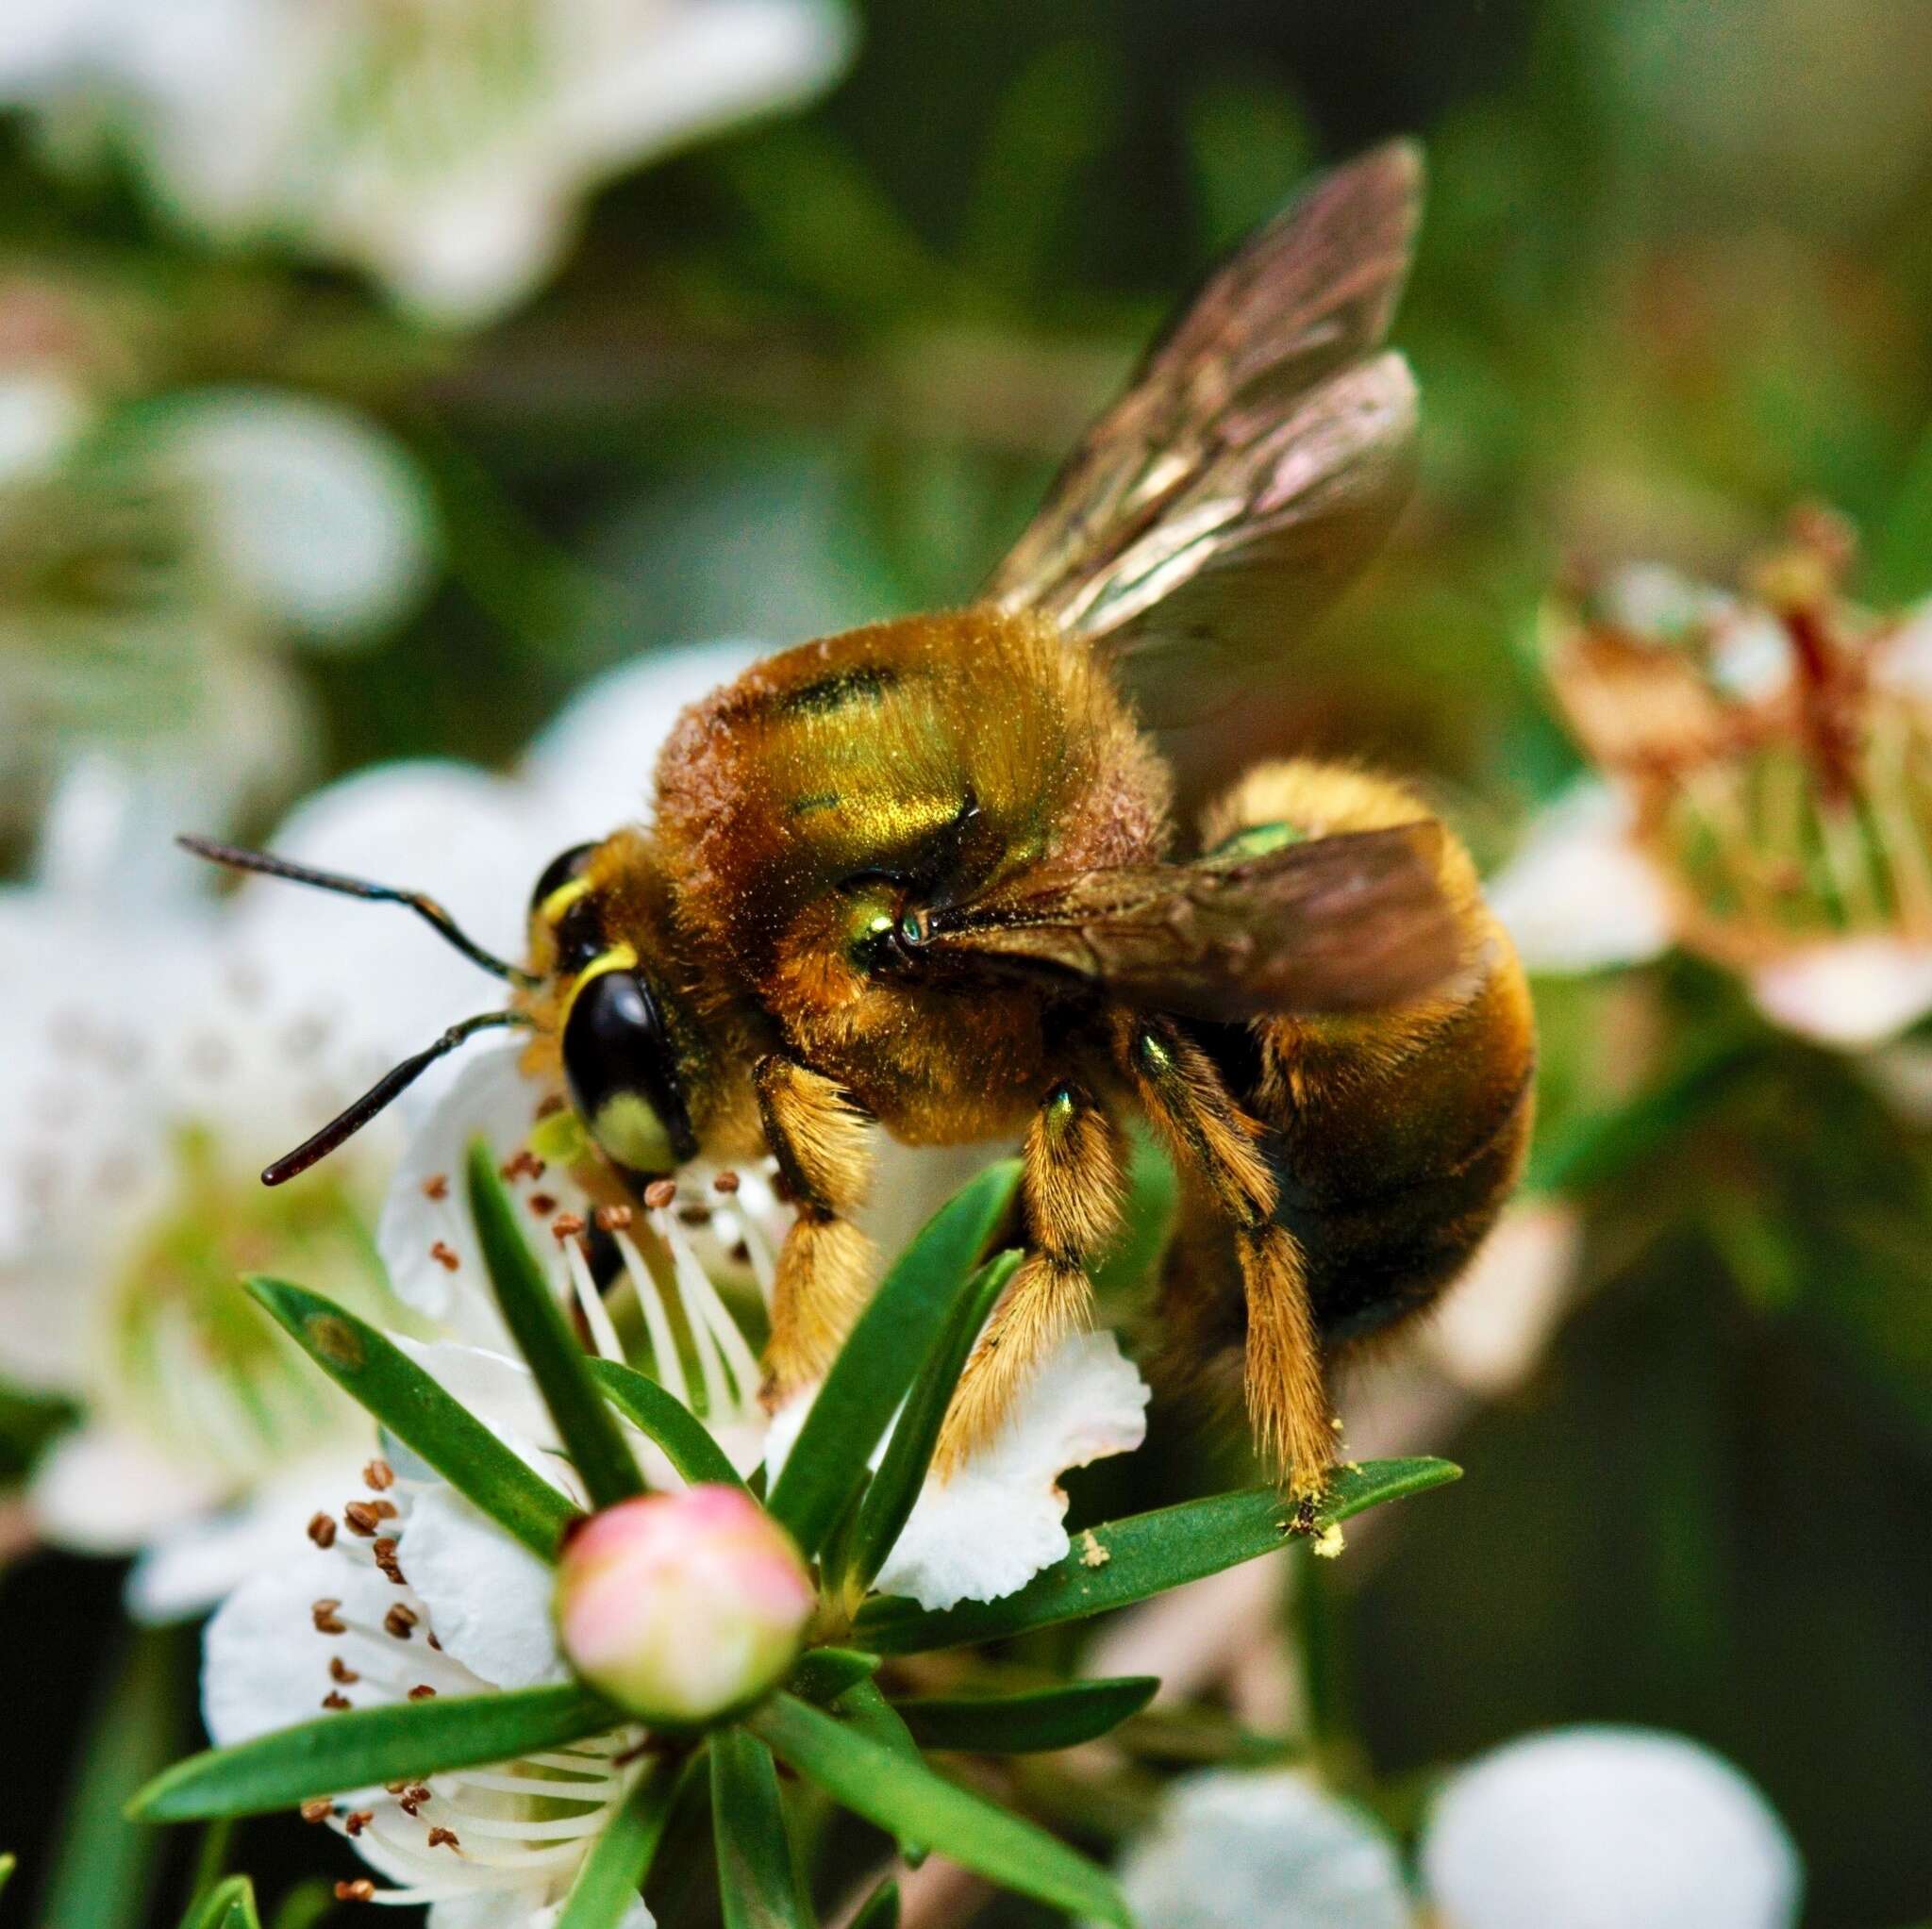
(682,1606)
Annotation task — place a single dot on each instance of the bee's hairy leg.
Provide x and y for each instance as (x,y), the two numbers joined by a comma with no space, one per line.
(823,1144)
(1187,1102)
(1071,1189)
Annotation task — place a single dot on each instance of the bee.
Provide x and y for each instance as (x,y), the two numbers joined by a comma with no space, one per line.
(926,876)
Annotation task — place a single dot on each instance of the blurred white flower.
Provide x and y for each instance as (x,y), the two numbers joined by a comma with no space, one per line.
(155,557)
(1236,1850)
(1607,1828)
(1489,1334)
(163,1050)
(444,145)
(1765,797)
(1581,1828)
(405,1589)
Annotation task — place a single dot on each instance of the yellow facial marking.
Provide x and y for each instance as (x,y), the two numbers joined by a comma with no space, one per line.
(620,957)
(562,898)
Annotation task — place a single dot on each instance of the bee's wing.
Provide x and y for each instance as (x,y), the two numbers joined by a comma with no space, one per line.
(1253,464)
(1349,923)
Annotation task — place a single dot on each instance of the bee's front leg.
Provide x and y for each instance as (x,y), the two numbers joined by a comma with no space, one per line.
(1189,1103)
(1071,1191)
(821,1142)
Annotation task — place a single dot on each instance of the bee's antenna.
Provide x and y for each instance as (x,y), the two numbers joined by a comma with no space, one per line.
(389,1087)
(424,906)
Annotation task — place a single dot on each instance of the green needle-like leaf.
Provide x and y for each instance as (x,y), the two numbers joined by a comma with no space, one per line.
(1028,1723)
(757,1885)
(1128,1560)
(879,1363)
(680,1433)
(591,1436)
(909,1799)
(881,1909)
(864,1707)
(229,1905)
(614,1870)
(103,1870)
(889,1501)
(364,1745)
(824,1674)
(376,1372)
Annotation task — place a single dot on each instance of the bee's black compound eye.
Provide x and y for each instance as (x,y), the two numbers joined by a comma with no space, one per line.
(623,1074)
(560,870)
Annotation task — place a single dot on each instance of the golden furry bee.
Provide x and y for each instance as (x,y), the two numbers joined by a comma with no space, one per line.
(925,874)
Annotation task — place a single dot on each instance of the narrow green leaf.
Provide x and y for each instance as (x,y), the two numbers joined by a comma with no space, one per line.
(757,1886)
(909,1799)
(1128,1560)
(879,1363)
(824,1674)
(304,1906)
(614,1870)
(1028,1723)
(536,1321)
(881,1908)
(679,1432)
(889,1501)
(8,1864)
(349,1751)
(376,1373)
(102,1876)
(230,1905)
(863,1707)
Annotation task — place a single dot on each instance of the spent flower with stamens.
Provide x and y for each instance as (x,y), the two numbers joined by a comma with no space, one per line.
(1765,793)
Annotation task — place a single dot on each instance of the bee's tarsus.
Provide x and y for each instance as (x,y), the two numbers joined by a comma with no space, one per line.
(391,1085)
(238,857)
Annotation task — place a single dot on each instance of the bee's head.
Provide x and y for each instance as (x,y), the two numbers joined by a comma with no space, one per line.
(629,1050)
(627,1043)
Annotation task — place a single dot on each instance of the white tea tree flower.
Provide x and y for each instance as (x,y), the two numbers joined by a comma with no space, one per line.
(1607,1828)
(1763,794)
(442,145)
(403,1591)
(1587,1827)
(163,1051)
(658,1270)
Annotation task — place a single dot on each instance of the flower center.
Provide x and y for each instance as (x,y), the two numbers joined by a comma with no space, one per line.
(191,1358)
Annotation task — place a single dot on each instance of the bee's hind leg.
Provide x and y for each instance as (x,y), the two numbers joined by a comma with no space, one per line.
(1208,1134)
(823,1145)
(1071,1191)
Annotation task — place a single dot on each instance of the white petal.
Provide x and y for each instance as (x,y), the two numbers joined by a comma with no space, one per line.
(700,67)
(314,511)
(101,1490)
(500,1391)
(1607,1828)
(1580,895)
(998,1521)
(487,1595)
(186,1571)
(1852,993)
(264,1664)
(1234,1851)
(1490,1331)
(591,766)
(426,1209)
(426,824)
